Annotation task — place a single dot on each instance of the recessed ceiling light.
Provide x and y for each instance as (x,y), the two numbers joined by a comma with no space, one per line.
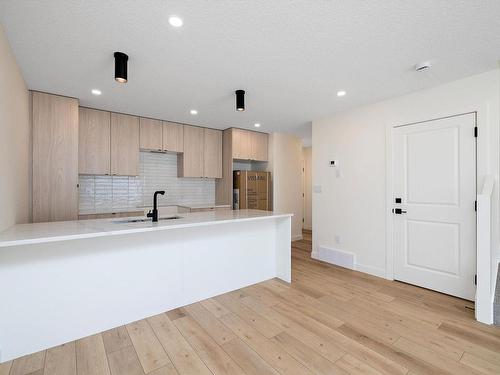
(96,92)
(175,21)
(193,112)
(257,125)
(341,93)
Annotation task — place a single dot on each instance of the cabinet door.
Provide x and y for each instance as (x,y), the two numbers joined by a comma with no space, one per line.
(212,163)
(150,134)
(191,161)
(55,157)
(173,137)
(94,132)
(124,145)
(241,144)
(259,146)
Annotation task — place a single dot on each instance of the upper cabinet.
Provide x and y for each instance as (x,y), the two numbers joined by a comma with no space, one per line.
(124,145)
(94,153)
(249,145)
(110,144)
(258,146)
(241,144)
(173,137)
(55,157)
(190,162)
(202,156)
(156,135)
(212,154)
(151,134)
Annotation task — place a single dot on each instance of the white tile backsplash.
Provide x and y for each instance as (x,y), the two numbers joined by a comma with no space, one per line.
(99,194)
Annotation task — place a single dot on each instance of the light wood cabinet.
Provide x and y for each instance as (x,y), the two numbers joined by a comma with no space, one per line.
(124,145)
(190,162)
(212,160)
(249,145)
(173,137)
(55,157)
(94,132)
(151,134)
(241,144)
(258,146)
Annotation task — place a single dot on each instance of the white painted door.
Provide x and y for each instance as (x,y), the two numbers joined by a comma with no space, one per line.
(435,176)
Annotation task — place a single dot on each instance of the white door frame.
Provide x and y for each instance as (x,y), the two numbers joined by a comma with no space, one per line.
(480,162)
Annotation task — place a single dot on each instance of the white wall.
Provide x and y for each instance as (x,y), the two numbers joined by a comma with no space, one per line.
(285,165)
(307,157)
(353,204)
(15,192)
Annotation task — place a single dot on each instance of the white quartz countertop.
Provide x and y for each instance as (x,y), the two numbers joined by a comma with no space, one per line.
(23,234)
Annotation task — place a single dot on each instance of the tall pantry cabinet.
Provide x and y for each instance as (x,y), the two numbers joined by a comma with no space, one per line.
(55,157)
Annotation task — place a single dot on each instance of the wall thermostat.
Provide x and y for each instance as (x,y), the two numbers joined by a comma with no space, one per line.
(334,163)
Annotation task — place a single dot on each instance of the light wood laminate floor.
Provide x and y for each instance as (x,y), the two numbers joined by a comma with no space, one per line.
(329,321)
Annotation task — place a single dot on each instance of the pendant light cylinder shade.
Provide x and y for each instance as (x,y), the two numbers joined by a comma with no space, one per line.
(121,62)
(240,100)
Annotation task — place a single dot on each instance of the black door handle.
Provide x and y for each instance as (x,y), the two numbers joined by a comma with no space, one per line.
(398,211)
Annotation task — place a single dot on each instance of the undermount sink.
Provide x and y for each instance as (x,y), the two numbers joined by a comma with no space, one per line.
(146,220)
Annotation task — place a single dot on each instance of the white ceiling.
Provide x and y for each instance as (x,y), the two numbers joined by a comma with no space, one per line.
(290,56)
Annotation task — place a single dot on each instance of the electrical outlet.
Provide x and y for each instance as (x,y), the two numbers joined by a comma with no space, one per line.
(337,239)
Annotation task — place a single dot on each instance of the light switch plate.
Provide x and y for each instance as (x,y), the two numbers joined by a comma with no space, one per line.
(317,188)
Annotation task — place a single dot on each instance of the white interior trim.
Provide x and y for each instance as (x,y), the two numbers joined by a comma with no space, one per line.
(484,290)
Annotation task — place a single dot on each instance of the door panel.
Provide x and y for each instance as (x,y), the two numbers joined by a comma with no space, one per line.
(434,174)
(438,175)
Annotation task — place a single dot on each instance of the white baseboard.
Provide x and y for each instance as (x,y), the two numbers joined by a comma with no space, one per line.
(375,271)
(296,237)
(345,259)
(335,256)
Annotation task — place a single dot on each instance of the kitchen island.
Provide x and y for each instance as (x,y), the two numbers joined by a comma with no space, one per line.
(66,280)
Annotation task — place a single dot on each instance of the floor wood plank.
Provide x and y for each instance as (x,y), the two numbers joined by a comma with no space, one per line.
(218,331)
(214,307)
(5,368)
(248,359)
(269,351)
(183,356)
(28,364)
(125,362)
(216,359)
(149,350)
(116,339)
(61,360)
(91,356)
(307,356)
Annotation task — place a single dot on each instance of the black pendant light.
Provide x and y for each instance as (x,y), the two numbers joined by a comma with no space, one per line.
(121,60)
(240,100)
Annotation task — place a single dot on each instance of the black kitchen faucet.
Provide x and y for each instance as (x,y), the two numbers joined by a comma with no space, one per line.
(154,214)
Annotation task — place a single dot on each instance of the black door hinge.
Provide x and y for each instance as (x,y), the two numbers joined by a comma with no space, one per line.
(475,131)
(475,279)
(475,205)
